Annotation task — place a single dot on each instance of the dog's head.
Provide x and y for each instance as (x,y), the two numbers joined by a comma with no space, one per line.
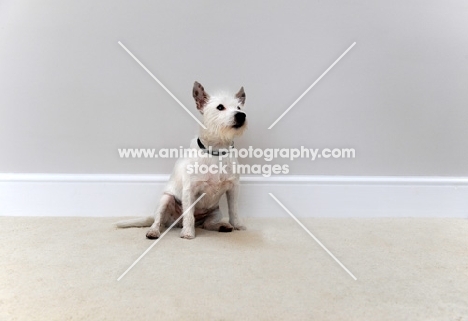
(223,114)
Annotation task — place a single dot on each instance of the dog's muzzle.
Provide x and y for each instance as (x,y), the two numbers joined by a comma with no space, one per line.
(239,119)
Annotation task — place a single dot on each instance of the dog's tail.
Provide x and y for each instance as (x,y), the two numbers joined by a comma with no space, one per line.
(136,222)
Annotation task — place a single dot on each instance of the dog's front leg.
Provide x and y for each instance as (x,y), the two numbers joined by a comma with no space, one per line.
(188,221)
(232,196)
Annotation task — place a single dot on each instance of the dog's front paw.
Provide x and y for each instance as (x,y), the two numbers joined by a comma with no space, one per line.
(187,233)
(153,233)
(238,226)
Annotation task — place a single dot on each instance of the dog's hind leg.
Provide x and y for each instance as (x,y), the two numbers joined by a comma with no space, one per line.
(213,222)
(166,204)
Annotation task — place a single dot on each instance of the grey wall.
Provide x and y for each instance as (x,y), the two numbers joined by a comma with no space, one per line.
(70,96)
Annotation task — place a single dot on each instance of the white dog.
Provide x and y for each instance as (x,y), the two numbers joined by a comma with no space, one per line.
(224,119)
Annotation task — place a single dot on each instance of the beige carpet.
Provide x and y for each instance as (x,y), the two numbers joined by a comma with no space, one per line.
(67,269)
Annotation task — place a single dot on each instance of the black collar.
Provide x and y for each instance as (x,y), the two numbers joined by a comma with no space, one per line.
(210,151)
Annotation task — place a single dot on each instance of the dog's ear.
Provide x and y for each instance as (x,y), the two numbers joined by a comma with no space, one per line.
(241,96)
(200,96)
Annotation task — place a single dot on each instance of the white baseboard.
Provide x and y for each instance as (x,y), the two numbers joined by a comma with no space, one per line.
(104,195)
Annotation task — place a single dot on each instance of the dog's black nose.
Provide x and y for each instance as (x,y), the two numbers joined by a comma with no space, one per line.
(240,119)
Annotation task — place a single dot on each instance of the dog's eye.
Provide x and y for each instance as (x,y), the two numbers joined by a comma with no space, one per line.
(238,107)
(220,107)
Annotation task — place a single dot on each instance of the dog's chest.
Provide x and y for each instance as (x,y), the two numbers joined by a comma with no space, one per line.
(213,190)
(214,187)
